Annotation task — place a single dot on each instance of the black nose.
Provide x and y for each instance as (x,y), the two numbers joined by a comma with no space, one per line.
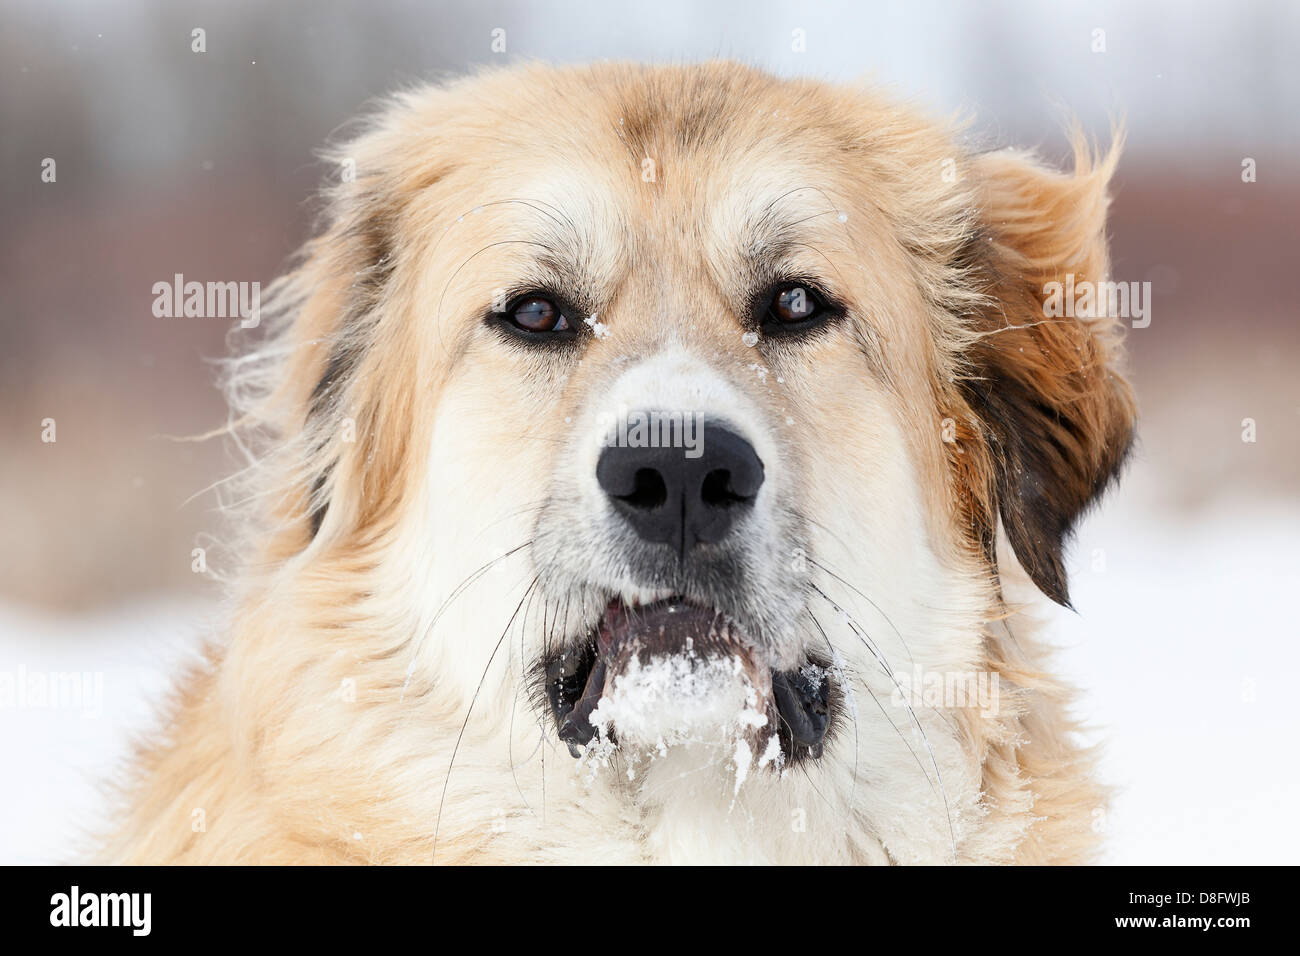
(683,496)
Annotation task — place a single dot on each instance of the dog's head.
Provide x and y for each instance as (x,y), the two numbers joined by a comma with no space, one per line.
(688,403)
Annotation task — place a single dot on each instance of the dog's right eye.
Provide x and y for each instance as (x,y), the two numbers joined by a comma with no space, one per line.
(538,316)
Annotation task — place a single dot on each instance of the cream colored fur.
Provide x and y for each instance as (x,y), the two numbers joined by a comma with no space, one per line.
(463,526)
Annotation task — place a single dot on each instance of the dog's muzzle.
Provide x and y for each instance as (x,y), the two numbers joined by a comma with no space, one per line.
(691,668)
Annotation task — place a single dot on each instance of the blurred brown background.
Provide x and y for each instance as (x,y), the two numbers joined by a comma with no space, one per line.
(202,163)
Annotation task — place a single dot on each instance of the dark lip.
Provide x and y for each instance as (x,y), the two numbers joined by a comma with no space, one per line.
(805,698)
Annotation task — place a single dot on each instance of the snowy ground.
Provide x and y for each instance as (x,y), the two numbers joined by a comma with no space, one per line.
(54,757)
(1185,645)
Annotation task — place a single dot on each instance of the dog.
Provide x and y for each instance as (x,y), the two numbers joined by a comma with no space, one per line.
(641,463)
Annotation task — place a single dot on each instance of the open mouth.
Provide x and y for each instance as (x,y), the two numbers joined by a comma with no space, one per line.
(673,670)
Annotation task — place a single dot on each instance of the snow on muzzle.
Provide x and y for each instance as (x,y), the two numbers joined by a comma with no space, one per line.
(673,673)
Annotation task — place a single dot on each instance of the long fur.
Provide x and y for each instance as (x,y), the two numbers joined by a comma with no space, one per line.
(397,515)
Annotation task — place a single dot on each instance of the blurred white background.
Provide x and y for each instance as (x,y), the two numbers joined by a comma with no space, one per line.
(1185,642)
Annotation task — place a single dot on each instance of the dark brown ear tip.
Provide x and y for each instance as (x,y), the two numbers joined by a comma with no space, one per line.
(1063,599)
(1052,582)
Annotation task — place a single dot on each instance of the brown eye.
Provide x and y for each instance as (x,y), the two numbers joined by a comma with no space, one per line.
(794,304)
(536,314)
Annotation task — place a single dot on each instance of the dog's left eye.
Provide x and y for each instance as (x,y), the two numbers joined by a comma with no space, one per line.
(538,315)
(792,307)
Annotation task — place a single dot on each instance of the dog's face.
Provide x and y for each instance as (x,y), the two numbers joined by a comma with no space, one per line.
(683,407)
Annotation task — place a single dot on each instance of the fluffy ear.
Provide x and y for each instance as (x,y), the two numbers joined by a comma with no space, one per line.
(1056,415)
(303,399)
